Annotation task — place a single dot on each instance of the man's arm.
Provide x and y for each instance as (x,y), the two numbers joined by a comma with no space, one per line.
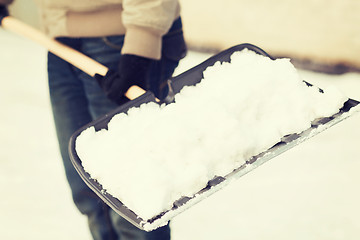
(146,21)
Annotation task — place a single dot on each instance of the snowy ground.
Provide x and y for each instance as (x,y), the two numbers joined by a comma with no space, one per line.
(308,192)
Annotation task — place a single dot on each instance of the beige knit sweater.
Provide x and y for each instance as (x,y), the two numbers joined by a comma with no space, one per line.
(143,22)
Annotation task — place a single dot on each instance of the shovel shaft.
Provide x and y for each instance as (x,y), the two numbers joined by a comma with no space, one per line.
(77,59)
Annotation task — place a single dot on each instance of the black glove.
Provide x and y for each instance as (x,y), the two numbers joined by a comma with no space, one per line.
(132,70)
(3,12)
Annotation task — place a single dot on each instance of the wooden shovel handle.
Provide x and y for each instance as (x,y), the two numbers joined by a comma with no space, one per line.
(77,59)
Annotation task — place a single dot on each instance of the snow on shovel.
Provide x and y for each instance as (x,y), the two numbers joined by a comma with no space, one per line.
(230,114)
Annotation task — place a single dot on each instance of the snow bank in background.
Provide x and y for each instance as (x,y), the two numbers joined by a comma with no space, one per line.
(155,154)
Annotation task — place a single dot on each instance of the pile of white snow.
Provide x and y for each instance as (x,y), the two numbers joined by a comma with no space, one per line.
(154,155)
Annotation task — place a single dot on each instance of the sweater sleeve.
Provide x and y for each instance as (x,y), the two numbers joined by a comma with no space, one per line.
(146,21)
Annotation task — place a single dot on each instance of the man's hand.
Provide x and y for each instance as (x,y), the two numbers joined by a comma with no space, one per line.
(132,70)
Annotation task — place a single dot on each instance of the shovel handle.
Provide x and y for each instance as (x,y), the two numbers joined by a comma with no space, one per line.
(77,59)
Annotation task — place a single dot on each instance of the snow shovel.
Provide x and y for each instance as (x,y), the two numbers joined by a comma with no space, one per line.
(190,78)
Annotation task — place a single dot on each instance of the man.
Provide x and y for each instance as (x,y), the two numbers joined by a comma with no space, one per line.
(141,42)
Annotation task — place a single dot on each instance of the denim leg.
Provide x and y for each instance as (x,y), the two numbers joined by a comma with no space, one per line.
(70,110)
(77,99)
(97,49)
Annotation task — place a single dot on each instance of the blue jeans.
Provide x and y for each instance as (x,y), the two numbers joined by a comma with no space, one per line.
(77,99)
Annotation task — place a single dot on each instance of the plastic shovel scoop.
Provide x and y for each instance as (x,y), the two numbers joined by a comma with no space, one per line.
(190,78)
